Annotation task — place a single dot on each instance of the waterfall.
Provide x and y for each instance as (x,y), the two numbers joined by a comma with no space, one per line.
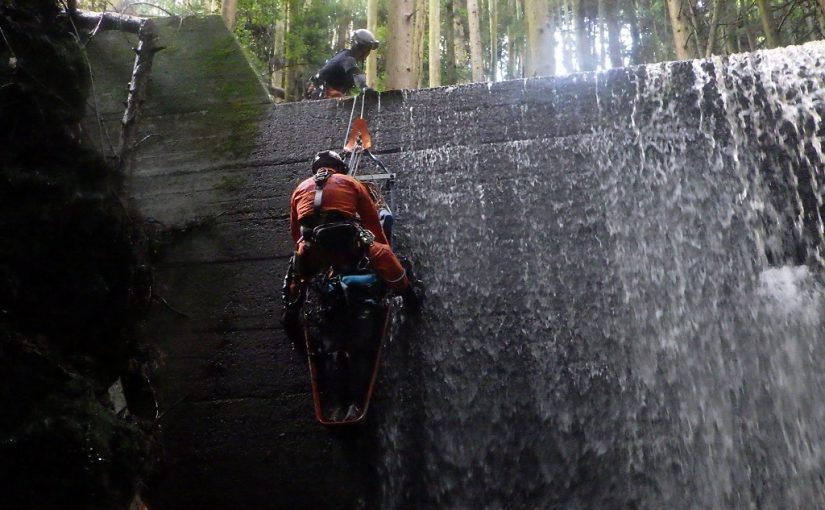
(626,299)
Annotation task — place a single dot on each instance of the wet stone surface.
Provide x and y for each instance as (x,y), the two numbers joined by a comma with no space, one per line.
(625,297)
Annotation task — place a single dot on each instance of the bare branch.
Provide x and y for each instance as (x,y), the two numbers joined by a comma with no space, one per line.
(787,14)
(144,54)
(150,5)
(108,21)
(714,26)
(8,45)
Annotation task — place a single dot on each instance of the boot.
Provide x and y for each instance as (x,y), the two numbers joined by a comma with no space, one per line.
(291,322)
(292,297)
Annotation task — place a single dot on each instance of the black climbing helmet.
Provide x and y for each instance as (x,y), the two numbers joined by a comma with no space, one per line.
(329,159)
(363,38)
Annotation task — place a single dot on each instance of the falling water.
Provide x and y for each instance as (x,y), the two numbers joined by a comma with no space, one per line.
(626,316)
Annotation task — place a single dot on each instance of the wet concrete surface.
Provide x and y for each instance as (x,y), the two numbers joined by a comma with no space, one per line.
(519,387)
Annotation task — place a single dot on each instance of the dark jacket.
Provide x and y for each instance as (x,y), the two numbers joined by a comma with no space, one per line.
(341,73)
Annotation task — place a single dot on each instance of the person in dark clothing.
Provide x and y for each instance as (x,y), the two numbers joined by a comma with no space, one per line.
(341,73)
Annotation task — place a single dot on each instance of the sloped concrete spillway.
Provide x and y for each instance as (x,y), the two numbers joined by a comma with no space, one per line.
(625,310)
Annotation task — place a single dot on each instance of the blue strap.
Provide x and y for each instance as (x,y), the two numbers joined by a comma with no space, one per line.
(359,279)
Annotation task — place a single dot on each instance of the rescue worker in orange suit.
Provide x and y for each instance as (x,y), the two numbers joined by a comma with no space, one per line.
(341,73)
(341,199)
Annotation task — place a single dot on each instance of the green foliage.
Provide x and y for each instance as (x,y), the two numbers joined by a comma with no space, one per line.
(255,30)
(314,26)
(310,40)
(382,34)
(151,7)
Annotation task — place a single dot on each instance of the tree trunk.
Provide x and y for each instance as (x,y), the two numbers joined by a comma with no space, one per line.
(728,20)
(460,40)
(102,21)
(655,51)
(511,47)
(771,35)
(583,52)
(569,42)
(399,55)
(278,47)
(632,9)
(229,12)
(344,21)
(822,7)
(292,86)
(372,26)
(714,27)
(694,24)
(417,49)
(540,45)
(613,35)
(591,39)
(449,45)
(476,57)
(681,31)
(601,20)
(435,43)
(578,33)
(743,19)
(494,60)
(423,12)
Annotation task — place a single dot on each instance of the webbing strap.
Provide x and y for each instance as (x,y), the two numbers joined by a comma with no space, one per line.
(320,179)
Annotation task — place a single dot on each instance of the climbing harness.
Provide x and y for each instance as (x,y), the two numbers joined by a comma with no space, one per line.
(331,232)
(321,177)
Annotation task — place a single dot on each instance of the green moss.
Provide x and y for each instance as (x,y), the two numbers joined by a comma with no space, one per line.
(207,71)
(226,52)
(242,121)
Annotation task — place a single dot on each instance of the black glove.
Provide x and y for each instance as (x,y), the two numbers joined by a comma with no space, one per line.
(414,296)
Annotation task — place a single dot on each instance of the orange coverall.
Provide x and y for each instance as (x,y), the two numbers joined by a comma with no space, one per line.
(348,197)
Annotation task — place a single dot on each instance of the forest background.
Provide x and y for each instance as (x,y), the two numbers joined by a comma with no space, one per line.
(443,42)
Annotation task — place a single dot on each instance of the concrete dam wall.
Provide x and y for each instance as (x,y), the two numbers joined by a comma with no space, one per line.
(625,294)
